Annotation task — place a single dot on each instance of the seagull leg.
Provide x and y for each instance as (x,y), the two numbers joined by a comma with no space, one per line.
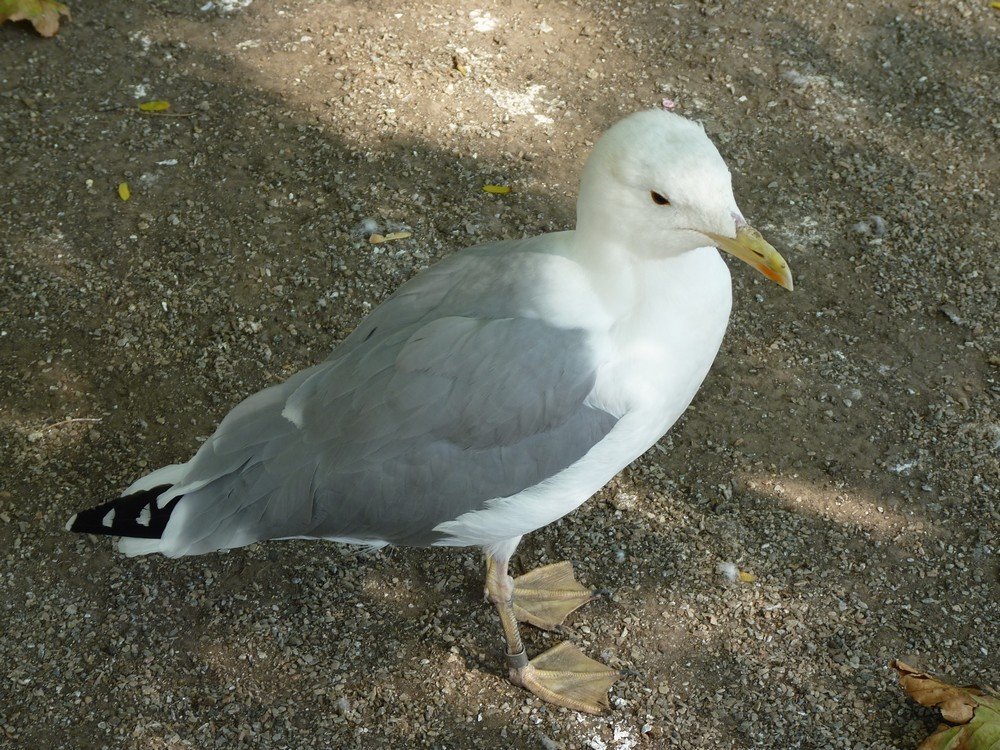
(563,675)
(545,596)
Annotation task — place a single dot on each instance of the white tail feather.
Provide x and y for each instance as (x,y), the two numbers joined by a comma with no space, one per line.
(134,547)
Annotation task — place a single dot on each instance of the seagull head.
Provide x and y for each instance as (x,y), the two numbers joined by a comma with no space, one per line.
(657,183)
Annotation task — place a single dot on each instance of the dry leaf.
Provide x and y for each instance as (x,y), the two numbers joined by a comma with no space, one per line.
(43,14)
(123,192)
(976,713)
(496,189)
(747,577)
(155,106)
(378,239)
(956,703)
(981,733)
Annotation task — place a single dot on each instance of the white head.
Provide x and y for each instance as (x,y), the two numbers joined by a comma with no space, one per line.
(657,184)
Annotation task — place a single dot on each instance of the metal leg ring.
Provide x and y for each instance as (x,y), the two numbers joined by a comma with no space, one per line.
(518,660)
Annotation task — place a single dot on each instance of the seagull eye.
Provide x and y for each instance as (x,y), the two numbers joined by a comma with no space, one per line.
(659,199)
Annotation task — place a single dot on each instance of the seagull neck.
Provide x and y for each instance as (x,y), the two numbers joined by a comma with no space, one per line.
(616,273)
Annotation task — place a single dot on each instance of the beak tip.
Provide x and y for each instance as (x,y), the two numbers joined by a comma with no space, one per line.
(749,246)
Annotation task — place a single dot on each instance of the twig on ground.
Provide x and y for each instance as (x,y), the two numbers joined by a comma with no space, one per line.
(73,419)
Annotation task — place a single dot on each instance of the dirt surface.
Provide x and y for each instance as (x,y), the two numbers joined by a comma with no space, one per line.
(844,449)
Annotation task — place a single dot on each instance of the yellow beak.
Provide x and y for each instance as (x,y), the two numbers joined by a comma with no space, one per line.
(749,246)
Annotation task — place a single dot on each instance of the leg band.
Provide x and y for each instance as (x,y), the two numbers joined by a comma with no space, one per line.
(518,660)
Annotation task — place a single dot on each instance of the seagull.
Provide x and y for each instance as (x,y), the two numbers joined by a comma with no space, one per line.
(490,395)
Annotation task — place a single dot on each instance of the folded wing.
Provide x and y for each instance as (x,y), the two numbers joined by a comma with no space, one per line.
(437,404)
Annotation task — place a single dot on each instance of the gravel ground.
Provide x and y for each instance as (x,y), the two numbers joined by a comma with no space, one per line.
(844,449)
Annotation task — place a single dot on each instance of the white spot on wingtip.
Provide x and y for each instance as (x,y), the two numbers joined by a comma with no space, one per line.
(70,522)
(144,516)
(109,519)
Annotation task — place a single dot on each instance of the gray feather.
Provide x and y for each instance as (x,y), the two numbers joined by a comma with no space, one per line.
(448,395)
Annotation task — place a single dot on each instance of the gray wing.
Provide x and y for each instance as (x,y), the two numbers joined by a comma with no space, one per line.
(444,398)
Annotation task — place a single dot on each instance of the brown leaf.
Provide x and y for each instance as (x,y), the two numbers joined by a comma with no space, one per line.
(957,704)
(43,14)
(977,713)
(947,737)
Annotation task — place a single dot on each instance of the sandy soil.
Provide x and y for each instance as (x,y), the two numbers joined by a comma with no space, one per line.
(844,449)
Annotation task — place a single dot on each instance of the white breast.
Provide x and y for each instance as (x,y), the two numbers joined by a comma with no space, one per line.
(659,354)
(655,358)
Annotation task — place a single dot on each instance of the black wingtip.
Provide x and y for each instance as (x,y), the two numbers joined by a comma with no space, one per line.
(135,515)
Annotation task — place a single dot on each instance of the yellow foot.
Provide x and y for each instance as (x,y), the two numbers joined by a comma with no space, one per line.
(546,595)
(563,675)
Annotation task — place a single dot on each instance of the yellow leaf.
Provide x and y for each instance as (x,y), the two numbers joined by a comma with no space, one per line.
(155,106)
(496,189)
(459,64)
(378,239)
(981,733)
(123,192)
(747,577)
(995,6)
(43,14)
